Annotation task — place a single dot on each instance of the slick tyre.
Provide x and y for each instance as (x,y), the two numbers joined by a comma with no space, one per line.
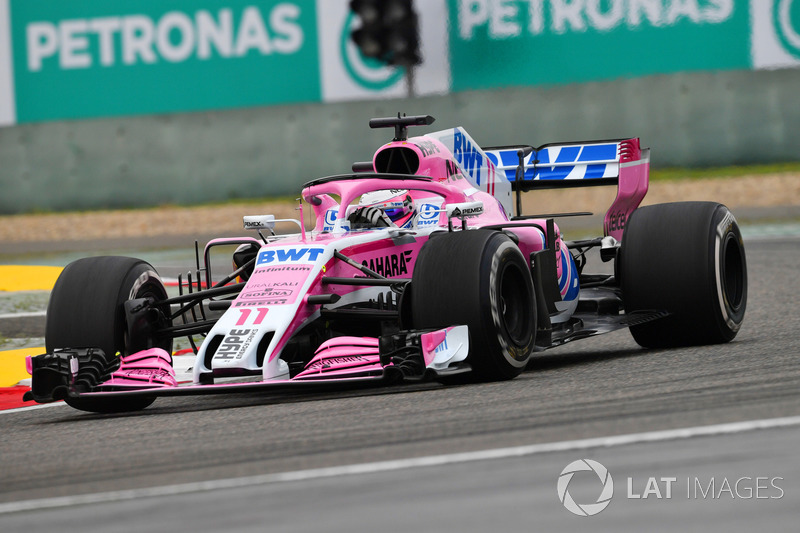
(86,310)
(480,279)
(688,259)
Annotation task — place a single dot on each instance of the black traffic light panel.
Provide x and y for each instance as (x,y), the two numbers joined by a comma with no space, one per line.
(389,31)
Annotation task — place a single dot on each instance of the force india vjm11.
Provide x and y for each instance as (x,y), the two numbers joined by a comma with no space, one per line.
(420,265)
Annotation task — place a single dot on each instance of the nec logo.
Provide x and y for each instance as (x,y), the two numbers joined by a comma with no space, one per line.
(302,255)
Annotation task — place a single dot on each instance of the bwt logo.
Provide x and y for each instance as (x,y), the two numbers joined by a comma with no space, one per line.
(330,217)
(442,346)
(289,255)
(585,157)
(468,156)
(428,215)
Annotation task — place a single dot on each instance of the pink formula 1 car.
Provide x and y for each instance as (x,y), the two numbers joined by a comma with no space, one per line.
(420,266)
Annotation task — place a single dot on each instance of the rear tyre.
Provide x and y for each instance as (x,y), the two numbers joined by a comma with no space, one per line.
(86,310)
(480,279)
(688,259)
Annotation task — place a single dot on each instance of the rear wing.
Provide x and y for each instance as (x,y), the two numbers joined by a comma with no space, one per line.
(620,162)
(580,164)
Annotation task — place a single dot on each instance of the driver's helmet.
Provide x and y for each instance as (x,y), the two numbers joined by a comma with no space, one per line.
(397,204)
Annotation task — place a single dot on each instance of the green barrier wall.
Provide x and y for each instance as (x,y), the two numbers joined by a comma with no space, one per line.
(695,119)
(118,103)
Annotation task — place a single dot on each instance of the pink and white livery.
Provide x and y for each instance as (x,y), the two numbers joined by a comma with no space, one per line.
(420,266)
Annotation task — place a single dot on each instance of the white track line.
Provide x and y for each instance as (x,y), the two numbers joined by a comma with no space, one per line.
(31,314)
(399,464)
(31,407)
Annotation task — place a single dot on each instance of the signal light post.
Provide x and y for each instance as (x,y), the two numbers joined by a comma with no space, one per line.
(389,32)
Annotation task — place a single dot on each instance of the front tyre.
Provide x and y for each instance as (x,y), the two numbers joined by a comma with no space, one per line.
(86,310)
(480,279)
(686,258)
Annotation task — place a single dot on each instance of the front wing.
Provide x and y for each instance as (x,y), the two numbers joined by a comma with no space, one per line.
(339,363)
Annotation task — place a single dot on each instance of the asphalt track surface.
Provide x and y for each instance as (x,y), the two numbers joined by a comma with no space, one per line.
(600,387)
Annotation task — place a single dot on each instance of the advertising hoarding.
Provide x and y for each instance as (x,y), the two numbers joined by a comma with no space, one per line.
(84,59)
(7,107)
(535,42)
(91,59)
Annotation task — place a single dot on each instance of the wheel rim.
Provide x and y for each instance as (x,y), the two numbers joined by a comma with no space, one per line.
(514,306)
(154,292)
(733,272)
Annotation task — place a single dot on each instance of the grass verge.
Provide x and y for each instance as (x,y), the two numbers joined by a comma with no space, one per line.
(674,174)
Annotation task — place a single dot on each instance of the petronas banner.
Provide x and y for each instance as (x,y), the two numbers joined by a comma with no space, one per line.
(87,59)
(83,59)
(558,41)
